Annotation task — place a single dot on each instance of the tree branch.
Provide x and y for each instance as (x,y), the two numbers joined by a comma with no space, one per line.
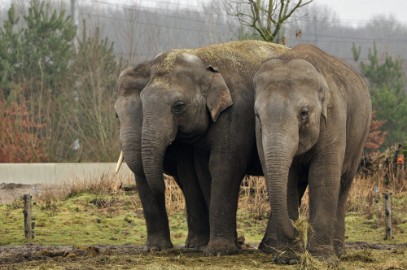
(266,15)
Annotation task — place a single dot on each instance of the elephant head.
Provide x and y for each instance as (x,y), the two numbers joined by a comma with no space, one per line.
(184,95)
(129,111)
(292,101)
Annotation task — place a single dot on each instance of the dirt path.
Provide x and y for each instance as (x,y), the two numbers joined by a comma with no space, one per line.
(33,252)
(10,191)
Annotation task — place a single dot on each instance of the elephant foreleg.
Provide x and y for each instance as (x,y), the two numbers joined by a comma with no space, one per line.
(324,189)
(158,232)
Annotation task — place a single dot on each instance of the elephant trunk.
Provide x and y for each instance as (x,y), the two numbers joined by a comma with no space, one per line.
(130,138)
(156,136)
(131,120)
(279,150)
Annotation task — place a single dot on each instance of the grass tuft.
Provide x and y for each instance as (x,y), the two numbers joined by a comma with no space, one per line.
(309,262)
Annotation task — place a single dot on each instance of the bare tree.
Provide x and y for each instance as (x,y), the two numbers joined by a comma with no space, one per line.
(265,17)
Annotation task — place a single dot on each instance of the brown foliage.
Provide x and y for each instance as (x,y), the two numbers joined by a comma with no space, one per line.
(19,141)
(376,136)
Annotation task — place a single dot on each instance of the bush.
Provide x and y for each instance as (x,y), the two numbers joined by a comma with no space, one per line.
(19,141)
(65,94)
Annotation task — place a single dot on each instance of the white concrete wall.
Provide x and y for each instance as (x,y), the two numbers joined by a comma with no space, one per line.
(56,173)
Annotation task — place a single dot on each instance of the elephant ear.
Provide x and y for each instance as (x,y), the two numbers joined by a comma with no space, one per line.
(218,96)
(324,96)
(133,79)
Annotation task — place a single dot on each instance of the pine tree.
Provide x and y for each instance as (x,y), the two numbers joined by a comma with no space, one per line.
(387,88)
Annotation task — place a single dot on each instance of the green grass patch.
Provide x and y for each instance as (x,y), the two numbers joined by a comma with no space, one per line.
(87,219)
(369,227)
(84,219)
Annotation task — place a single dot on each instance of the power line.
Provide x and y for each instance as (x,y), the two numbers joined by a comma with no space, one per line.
(187,24)
(146,23)
(150,11)
(343,39)
(361,39)
(198,8)
(158,3)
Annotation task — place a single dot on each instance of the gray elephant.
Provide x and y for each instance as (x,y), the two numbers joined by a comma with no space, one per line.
(312,119)
(201,99)
(178,162)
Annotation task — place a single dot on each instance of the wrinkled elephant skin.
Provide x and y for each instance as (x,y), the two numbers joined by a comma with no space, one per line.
(200,101)
(312,119)
(178,162)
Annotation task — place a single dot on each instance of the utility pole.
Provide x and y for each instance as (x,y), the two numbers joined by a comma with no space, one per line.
(74,16)
(315,31)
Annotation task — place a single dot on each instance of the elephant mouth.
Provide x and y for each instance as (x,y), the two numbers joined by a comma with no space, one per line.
(188,138)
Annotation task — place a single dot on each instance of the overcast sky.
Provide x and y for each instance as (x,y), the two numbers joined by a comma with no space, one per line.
(359,11)
(352,12)
(349,11)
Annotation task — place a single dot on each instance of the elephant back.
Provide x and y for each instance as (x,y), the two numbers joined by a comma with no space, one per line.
(241,57)
(331,67)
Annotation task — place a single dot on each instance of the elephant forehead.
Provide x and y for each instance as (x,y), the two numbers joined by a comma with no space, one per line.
(301,65)
(190,58)
(295,82)
(160,83)
(292,74)
(166,63)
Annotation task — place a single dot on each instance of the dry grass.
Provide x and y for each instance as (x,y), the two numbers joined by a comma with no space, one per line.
(55,193)
(174,199)
(363,196)
(253,196)
(367,191)
(109,185)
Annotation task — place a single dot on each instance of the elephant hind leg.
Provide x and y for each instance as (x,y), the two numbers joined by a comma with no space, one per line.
(196,206)
(339,236)
(226,178)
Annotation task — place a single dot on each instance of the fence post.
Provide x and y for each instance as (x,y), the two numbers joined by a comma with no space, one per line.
(387,215)
(28,229)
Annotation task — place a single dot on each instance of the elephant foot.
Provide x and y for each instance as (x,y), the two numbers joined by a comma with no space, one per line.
(220,247)
(240,241)
(197,241)
(157,243)
(325,253)
(287,253)
(268,246)
(287,257)
(339,248)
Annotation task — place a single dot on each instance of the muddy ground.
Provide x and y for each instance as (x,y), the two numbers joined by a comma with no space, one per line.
(133,257)
(11,191)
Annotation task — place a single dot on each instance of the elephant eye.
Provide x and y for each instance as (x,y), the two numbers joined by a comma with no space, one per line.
(304,113)
(178,107)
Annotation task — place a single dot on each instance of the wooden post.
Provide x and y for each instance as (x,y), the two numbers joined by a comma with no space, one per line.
(28,230)
(387,215)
